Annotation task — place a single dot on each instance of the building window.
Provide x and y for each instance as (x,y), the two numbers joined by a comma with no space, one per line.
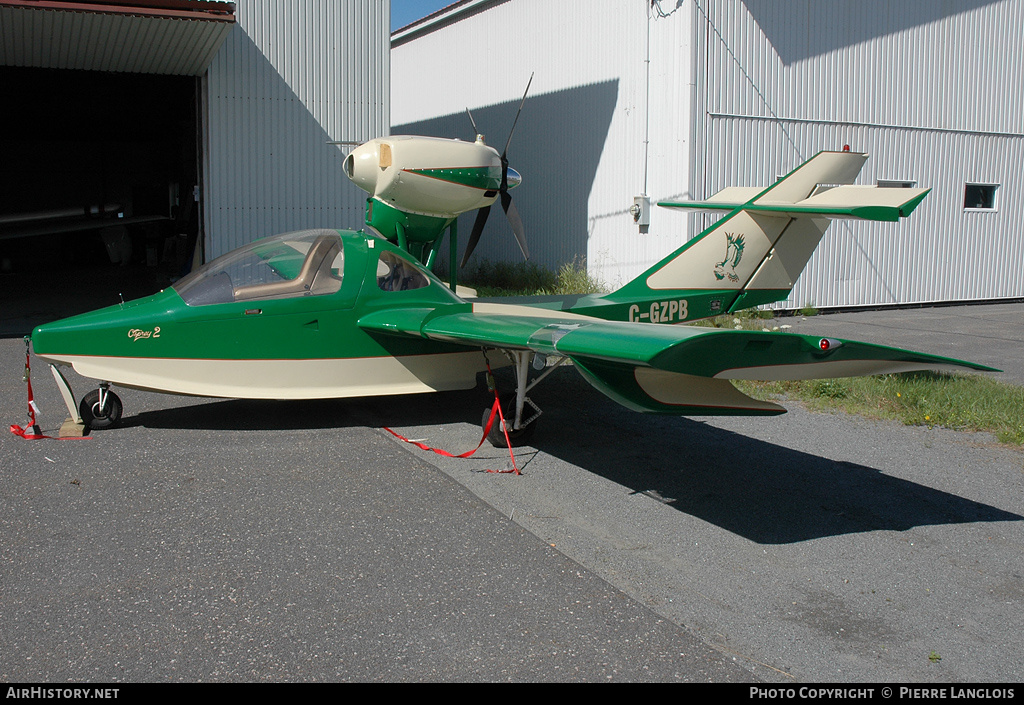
(895,183)
(980,197)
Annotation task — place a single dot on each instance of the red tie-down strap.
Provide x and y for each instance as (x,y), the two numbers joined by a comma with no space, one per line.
(23,431)
(495,412)
(30,431)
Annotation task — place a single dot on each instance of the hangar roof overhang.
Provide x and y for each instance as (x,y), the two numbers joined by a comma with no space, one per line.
(178,37)
(447,15)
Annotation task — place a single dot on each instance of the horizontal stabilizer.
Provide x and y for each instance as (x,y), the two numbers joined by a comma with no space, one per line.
(856,202)
(822,187)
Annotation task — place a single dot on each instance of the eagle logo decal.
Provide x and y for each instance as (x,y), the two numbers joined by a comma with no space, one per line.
(733,255)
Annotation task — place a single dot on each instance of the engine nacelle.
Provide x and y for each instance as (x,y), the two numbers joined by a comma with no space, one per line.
(429,175)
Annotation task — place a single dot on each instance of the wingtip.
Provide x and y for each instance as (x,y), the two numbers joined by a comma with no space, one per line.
(907,208)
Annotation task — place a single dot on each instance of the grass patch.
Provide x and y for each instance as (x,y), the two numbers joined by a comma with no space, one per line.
(959,402)
(809,310)
(747,319)
(530,279)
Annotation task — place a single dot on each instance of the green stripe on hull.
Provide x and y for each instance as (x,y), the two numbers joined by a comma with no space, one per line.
(485,178)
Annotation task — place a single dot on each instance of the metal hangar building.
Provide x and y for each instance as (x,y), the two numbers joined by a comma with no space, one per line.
(647,100)
(156,133)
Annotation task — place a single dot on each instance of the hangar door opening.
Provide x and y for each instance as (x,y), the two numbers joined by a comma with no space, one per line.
(98,187)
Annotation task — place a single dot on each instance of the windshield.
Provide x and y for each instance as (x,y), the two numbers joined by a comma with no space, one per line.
(306,263)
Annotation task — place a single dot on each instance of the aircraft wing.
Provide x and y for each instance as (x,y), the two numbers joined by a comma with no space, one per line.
(661,368)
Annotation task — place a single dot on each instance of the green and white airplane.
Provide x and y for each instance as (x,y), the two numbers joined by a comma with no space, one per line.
(340,313)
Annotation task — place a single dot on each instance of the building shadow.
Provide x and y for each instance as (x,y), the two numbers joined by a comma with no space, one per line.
(557,147)
(785,24)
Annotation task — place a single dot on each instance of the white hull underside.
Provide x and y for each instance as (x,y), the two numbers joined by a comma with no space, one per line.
(284,379)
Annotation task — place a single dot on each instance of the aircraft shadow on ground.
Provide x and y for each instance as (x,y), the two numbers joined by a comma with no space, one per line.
(762,491)
(251,415)
(759,490)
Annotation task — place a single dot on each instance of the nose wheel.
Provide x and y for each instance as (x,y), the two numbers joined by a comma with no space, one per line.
(101,409)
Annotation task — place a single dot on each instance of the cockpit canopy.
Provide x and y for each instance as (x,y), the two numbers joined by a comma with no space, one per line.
(304,263)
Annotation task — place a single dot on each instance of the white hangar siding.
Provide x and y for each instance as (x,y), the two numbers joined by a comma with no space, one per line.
(579,142)
(291,77)
(737,92)
(929,90)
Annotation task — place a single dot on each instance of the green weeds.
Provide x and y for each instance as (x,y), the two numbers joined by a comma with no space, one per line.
(747,319)
(959,402)
(529,279)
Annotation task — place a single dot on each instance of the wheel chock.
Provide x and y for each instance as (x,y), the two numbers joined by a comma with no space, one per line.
(72,429)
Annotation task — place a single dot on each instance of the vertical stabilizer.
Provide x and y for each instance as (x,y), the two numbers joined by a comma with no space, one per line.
(755,253)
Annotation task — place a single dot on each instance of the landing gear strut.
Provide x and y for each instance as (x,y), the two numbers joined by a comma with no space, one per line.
(520,413)
(101,408)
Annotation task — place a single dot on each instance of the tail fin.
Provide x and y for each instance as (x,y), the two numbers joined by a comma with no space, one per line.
(755,253)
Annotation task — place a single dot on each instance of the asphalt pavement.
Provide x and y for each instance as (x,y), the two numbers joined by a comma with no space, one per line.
(228,541)
(989,334)
(213,540)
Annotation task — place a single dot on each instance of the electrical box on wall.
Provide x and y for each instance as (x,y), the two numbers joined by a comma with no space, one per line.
(641,211)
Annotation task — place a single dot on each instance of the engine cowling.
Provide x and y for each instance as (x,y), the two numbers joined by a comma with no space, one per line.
(429,175)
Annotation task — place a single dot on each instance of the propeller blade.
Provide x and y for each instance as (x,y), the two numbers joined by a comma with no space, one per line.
(506,200)
(521,104)
(473,123)
(515,221)
(474,238)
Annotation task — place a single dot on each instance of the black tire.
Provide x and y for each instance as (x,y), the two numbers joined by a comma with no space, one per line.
(496,437)
(99,419)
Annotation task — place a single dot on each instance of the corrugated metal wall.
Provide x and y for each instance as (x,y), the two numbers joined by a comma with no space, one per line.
(683,97)
(579,143)
(927,89)
(290,78)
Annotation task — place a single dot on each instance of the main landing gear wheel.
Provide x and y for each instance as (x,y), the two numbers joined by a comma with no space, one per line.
(523,415)
(496,437)
(99,416)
